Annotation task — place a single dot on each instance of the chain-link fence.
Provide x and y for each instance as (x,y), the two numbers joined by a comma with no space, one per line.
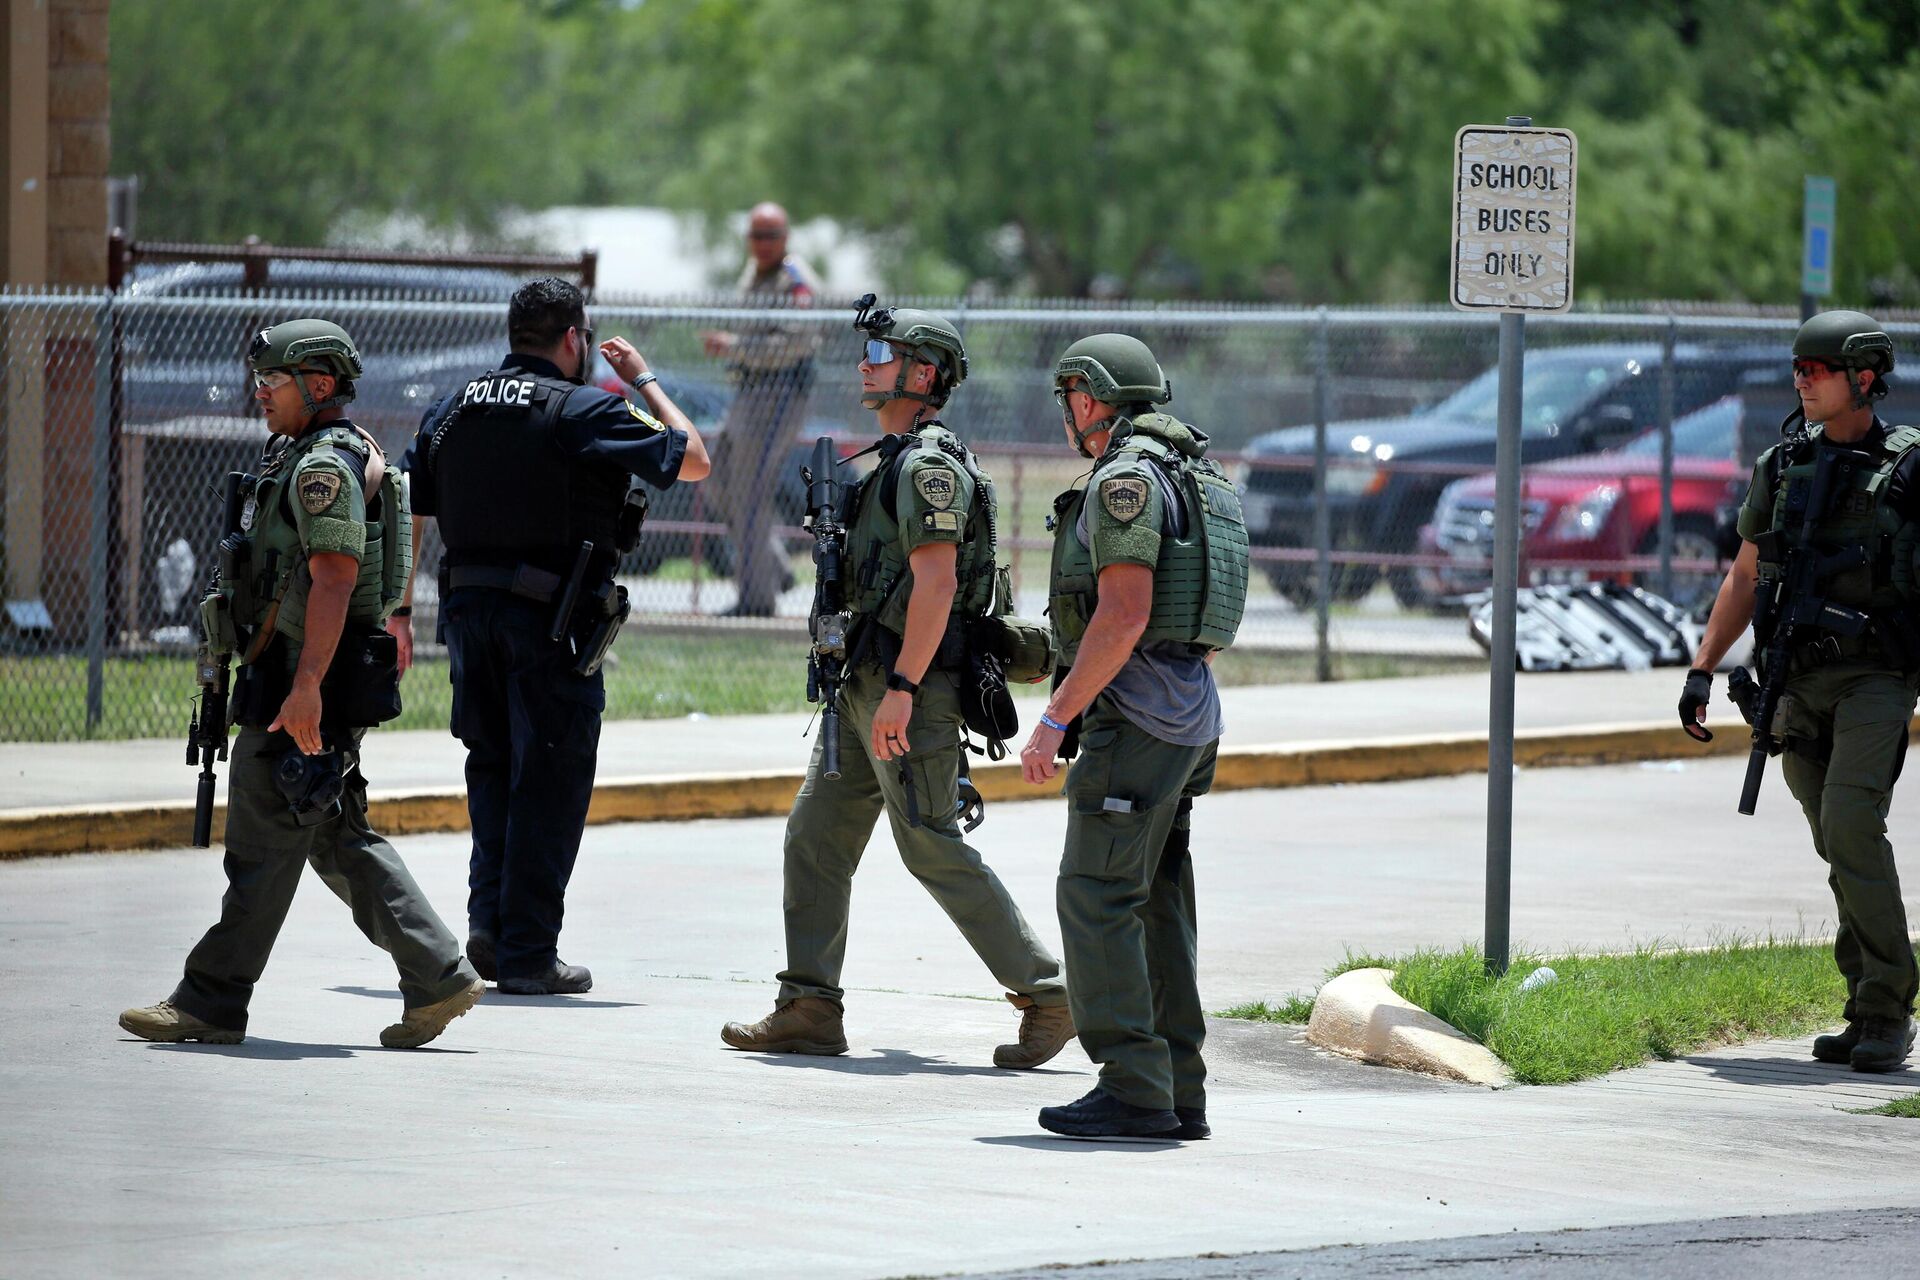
(1363,441)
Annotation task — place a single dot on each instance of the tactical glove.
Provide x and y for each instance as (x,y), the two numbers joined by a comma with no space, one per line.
(1693,699)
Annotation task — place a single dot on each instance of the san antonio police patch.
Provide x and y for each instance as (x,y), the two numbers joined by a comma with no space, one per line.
(318,490)
(936,486)
(1123,497)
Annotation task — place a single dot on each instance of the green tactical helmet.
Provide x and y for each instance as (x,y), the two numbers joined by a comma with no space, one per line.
(305,344)
(1118,369)
(314,345)
(926,336)
(1850,338)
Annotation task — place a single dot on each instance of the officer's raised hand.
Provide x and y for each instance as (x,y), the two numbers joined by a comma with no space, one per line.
(1693,705)
(625,358)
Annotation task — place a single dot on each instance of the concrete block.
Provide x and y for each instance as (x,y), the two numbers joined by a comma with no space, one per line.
(79,93)
(1359,1015)
(79,35)
(81,149)
(77,257)
(77,204)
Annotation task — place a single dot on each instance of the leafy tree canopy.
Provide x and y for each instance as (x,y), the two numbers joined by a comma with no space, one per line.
(1297,150)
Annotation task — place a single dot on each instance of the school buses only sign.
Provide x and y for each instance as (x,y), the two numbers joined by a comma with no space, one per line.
(1513,218)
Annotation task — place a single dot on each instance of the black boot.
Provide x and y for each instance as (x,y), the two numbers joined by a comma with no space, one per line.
(1101,1115)
(561,980)
(1193,1124)
(1884,1043)
(480,955)
(1837,1048)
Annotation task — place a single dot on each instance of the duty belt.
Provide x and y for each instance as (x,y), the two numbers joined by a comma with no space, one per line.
(522,580)
(1831,648)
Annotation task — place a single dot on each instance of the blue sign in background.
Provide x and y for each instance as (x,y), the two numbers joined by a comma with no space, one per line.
(1816,249)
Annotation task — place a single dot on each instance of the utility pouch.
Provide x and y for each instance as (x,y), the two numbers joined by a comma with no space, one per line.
(611,613)
(1024,648)
(362,686)
(260,686)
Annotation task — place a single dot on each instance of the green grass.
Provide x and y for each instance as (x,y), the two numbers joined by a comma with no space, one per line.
(1607,1012)
(1294,1007)
(654,672)
(1902,1108)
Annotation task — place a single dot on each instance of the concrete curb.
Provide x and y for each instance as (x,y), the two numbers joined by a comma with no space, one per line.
(26,833)
(1360,1016)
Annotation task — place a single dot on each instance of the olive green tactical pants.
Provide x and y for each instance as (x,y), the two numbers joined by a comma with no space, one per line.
(832,821)
(1127,919)
(266,851)
(1849,729)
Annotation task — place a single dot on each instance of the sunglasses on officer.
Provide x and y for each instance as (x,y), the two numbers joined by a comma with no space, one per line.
(1813,368)
(880,351)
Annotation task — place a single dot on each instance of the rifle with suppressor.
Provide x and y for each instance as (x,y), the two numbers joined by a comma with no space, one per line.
(1789,607)
(207,727)
(830,620)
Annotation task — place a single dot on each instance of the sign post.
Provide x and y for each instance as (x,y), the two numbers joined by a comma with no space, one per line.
(1513,189)
(1816,245)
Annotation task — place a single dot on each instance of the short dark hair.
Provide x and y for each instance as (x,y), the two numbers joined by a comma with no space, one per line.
(541,313)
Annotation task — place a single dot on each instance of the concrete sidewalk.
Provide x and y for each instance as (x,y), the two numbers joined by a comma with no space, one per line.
(64,797)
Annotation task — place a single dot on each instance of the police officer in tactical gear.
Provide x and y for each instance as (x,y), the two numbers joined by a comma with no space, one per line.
(320,559)
(919,554)
(527,469)
(1848,698)
(1149,580)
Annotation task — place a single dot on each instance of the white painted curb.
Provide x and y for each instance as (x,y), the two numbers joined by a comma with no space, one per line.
(1357,1014)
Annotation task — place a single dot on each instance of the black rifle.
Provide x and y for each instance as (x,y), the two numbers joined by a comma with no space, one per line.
(1789,609)
(830,620)
(207,728)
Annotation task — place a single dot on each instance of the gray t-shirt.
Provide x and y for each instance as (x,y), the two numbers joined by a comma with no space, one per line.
(1165,688)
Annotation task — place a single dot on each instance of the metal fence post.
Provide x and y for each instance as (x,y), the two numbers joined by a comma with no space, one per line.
(1322,525)
(101,493)
(1667,376)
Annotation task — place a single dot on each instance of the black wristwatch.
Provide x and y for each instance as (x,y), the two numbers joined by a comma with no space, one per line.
(897,681)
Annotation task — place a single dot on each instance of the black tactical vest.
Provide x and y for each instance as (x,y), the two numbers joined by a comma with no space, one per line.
(505,491)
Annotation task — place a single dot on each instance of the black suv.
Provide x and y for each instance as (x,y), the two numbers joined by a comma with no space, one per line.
(1576,399)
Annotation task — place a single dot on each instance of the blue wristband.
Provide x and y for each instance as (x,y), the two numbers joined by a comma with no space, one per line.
(1051,723)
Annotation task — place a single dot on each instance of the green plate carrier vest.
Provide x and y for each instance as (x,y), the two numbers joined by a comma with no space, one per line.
(879,568)
(1859,513)
(274,567)
(1200,584)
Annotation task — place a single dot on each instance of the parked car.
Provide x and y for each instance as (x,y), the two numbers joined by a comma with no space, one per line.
(1575,400)
(1600,507)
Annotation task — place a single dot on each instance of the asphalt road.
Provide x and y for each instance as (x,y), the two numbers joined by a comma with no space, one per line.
(612,1134)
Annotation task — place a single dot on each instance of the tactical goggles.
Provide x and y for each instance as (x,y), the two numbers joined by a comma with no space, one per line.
(880,351)
(274,379)
(1813,367)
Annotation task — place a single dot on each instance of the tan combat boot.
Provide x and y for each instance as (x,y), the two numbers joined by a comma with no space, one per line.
(805,1024)
(1044,1031)
(421,1025)
(170,1025)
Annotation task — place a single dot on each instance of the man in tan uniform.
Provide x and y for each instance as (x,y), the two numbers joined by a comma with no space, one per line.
(772,366)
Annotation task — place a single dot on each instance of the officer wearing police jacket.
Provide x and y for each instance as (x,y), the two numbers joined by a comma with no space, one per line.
(527,469)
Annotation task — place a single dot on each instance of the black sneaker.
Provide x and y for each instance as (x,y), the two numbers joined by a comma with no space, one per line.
(1193,1124)
(561,980)
(1884,1044)
(1101,1115)
(1837,1048)
(480,955)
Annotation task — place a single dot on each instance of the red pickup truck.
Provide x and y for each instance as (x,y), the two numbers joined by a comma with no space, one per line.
(1582,517)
